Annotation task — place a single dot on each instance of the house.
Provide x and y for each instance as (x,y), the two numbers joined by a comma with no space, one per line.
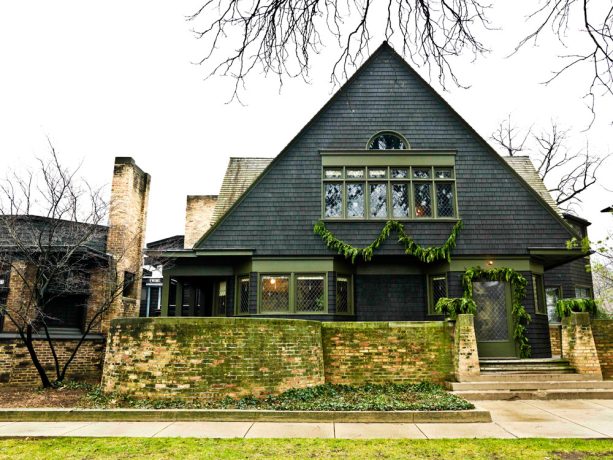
(386,153)
(102,253)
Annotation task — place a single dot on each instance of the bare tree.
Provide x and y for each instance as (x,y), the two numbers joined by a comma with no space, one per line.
(567,174)
(279,37)
(596,55)
(52,247)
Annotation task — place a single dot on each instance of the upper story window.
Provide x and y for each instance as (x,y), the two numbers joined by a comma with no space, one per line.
(387,140)
(389,192)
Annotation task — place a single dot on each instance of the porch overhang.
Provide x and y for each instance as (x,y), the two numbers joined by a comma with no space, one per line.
(554,257)
(193,253)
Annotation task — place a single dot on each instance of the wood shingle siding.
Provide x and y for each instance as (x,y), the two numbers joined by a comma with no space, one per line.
(501,213)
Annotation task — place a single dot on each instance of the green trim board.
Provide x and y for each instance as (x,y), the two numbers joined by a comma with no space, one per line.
(386,159)
(292,265)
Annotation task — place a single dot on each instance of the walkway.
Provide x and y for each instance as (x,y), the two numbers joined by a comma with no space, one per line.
(511,419)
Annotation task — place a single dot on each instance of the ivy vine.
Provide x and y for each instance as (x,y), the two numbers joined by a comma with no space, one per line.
(521,318)
(427,254)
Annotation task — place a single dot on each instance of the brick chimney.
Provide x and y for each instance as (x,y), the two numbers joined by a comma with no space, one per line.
(126,235)
(198,217)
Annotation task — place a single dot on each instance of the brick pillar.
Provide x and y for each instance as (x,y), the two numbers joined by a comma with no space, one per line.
(18,301)
(578,345)
(555,337)
(198,217)
(126,236)
(465,354)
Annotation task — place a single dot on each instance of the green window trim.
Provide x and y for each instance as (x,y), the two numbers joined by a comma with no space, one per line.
(538,290)
(432,288)
(337,180)
(292,304)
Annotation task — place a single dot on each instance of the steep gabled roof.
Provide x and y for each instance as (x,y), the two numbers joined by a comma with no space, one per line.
(354,112)
(240,174)
(524,167)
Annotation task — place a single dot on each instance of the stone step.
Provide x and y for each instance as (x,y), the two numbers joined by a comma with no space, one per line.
(532,385)
(486,361)
(528,370)
(505,395)
(520,377)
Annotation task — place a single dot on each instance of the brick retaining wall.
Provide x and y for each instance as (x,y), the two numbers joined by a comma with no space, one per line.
(211,358)
(16,365)
(602,329)
(207,359)
(379,352)
(555,337)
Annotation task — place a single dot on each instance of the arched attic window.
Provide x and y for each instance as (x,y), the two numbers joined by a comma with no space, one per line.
(387,140)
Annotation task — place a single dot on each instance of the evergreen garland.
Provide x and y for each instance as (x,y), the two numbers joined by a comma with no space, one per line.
(428,254)
(521,318)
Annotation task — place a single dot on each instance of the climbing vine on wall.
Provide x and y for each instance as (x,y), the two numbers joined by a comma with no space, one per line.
(521,318)
(427,254)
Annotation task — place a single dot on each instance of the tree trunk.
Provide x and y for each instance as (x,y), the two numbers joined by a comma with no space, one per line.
(39,368)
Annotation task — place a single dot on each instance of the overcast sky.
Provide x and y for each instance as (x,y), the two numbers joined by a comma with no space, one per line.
(117,79)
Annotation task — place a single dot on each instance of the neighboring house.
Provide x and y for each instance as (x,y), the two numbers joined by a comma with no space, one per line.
(385,147)
(105,252)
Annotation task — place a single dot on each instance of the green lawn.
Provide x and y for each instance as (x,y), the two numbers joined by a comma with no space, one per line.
(150,449)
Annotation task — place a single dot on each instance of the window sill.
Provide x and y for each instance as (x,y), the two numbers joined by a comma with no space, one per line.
(403,220)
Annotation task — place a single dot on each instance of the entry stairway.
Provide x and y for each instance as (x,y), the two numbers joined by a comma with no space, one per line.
(510,379)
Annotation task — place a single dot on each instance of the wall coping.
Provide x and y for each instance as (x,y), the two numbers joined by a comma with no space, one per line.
(170,320)
(383,324)
(5,336)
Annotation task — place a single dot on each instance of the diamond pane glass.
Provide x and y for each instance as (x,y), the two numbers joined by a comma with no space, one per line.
(355,173)
(333,173)
(423,199)
(444,200)
(400,200)
(377,173)
(310,293)
(439,288)
(342,294)
(582,293)
(355,200)
(243,302)
(400,173)
(275,294)
(387,141)
(443,173)
(491,319)
(421,173)
(378,200)
(334,200)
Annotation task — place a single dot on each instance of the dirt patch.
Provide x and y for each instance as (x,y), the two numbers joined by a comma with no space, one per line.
(24,397)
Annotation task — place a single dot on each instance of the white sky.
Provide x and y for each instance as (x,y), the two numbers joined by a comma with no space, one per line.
(116,79)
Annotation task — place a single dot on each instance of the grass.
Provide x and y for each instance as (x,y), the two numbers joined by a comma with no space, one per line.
(189,448)
(328,397)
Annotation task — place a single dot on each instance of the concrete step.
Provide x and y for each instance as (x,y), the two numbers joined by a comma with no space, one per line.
(532,385)
(528,370)
(486,361)
(519,377)
(506,395)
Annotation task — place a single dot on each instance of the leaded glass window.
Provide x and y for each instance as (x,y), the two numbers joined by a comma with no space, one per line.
(444,199)
(423,199)
(378,200)
(342,295)
(389,192)
(400,200)
(582,293)
(243,295)
(552,294)
(387,141)
(438,290)
(275,293)
(310,293)
(355,200)
(334,200)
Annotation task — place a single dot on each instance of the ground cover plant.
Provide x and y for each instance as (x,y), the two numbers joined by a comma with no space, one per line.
(190,448)
(422,396)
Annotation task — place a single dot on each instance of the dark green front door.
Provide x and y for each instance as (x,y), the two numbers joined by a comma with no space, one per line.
(493,322)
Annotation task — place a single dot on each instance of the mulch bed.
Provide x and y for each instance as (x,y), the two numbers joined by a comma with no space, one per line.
(29,397)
